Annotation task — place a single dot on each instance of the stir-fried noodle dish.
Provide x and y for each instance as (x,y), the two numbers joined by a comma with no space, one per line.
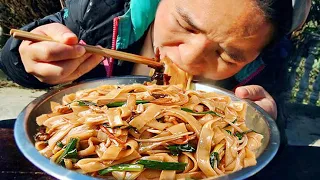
(147,132)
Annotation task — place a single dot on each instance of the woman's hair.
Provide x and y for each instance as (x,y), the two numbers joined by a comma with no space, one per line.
(279,13)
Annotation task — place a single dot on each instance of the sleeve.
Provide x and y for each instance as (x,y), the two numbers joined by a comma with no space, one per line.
(10,60)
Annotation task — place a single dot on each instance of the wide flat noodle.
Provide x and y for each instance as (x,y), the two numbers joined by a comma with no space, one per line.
(118,125)
(178,76)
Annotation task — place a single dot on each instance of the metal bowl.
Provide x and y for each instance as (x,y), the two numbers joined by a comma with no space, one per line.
(25,127)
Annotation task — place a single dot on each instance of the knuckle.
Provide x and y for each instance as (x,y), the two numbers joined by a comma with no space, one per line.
(22,48)
(48,80)
(62,73)
(59,73)
(42,72)
(256,90)
(47,53)
(79,61)
(45,75)
(79,72)
(29,69)
(54,24)
(251,90)
(27,66)
(43,80)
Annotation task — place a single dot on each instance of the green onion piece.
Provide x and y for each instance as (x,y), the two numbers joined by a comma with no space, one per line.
(232,123)
(59,144)
(72,154)
(118,104)
(141,102)
(122,167)
(240,135)
(174,150)
(70,151)
(150,164)
(177,149)
(214,156)
(205,112)
(229,132)
(86,103)
(115,104)
(187,110)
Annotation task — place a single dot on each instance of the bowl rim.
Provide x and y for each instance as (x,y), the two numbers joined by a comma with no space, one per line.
(29,151)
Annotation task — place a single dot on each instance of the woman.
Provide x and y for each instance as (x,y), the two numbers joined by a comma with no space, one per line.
(218,40)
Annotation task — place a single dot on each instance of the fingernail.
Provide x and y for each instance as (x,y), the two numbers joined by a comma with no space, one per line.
(80,50)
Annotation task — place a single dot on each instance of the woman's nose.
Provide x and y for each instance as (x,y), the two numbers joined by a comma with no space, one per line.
(196,50)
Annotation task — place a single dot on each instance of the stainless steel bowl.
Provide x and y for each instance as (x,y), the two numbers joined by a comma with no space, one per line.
(25,127)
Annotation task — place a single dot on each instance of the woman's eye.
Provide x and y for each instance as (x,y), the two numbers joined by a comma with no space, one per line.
(224,60)
(186,28)
(227,62)
(190,30)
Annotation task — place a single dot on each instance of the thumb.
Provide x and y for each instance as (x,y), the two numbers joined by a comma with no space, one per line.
(252,92)
(57,32)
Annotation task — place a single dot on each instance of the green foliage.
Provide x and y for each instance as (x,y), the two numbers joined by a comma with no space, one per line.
(314,15)
(311,27)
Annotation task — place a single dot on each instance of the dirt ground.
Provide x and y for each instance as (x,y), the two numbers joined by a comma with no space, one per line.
(13,98)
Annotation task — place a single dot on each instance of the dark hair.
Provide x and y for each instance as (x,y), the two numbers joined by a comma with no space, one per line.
(279,13)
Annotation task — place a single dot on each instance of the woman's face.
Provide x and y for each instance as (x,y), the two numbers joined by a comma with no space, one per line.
(211,38)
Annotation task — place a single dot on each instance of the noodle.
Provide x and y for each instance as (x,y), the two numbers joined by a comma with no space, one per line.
(130,131)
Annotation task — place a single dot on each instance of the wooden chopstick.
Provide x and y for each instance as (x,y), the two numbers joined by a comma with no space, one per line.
(24,35)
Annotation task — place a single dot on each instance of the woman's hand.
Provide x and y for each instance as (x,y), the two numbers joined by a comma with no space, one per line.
(260,96)
(56,62)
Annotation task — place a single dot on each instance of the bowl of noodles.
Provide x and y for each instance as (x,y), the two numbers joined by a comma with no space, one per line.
(124,128)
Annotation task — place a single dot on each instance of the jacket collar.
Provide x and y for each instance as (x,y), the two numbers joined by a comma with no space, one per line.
(134,23)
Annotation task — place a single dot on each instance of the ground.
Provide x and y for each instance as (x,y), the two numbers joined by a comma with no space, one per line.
(13,98)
